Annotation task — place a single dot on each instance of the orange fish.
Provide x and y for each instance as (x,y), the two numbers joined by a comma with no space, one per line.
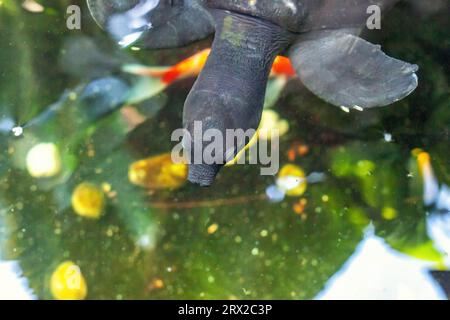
(192,66)
(430,182)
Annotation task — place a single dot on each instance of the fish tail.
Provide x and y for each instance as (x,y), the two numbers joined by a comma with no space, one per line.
(282,66)
(140,70)
(190,67)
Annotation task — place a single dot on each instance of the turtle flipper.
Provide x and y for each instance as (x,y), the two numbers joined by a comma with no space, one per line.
(348,71)
(153,24)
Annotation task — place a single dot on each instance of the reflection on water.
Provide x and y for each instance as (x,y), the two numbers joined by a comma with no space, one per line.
(375,271)
(13,285)
(91,205)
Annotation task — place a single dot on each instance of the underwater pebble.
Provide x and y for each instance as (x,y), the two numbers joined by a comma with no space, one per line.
(213,228)
(43,160)
(88,201)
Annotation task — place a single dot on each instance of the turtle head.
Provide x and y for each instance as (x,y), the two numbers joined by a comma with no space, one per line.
(228,96)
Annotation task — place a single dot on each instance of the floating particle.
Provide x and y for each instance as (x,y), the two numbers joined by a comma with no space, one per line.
(158,172)
(156,283)
(389,213)
(146,241)
(106,187)
(292,155)
(364,168)
(297,149)
(88,201)
(303,149)
(67,282)
(299,207)
(264,233)
(110,232)
(213,228)
(43,160)
(73,96)
(387,137)
(33,6)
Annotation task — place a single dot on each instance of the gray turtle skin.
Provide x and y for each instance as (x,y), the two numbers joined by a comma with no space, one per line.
(320,37)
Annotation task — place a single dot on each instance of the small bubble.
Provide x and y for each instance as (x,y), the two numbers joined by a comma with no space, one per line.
(17,131)
(387,137)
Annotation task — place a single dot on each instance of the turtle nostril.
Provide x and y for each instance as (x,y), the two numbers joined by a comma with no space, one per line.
(202,174)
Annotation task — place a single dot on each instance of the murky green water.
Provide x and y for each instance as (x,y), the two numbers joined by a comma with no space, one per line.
(65,88)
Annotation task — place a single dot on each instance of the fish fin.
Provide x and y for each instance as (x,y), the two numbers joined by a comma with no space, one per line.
(348,71)
(141,70)
(282,66)
(145,88)
(274,89)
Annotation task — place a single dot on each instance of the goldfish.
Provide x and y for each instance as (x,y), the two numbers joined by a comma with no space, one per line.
(88,201)
(430,183)
(158,172)
(271,126)
(192,66)
(68,283)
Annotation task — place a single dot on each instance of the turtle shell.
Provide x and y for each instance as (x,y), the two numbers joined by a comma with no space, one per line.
(288,14)
(153,24)
(305,15)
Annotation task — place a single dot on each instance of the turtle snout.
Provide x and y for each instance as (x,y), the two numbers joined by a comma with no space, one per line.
(206,124)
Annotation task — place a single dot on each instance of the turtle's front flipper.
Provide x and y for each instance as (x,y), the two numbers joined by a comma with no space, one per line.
(348,71)
(153,24)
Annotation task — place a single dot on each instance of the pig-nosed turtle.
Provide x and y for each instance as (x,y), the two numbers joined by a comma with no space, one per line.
(320,37)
